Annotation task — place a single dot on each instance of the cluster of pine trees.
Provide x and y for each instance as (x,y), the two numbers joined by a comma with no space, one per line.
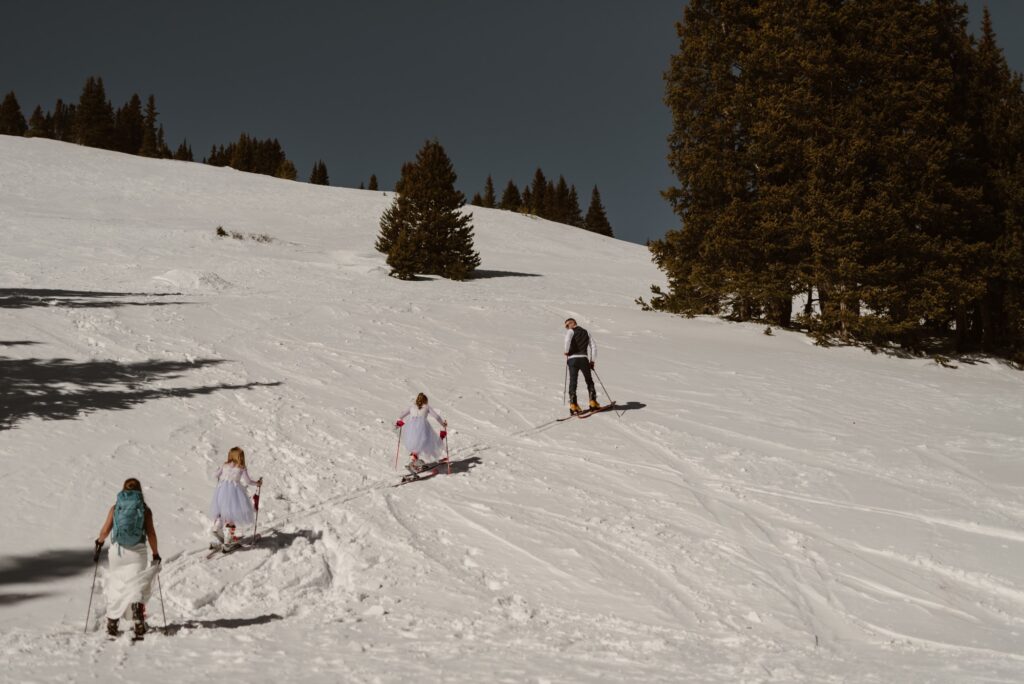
(94,122)
(425,230)
(867,154)
(133,129)
(549,200)
(256,156)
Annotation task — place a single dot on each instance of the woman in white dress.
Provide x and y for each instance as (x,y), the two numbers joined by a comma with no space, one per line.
(420,439)
(129,523)
(231,504)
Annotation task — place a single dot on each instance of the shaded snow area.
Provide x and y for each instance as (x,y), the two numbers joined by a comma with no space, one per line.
(762,510)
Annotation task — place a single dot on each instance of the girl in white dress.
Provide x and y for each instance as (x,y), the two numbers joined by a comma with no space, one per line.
(420,439)
(231,504)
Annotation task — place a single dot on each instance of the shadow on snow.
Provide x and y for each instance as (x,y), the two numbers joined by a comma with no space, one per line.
(61,389)
(223,623)
(40,568)
(23,298)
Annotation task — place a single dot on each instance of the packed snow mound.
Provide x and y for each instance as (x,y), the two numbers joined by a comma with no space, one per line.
(180,279)
(758,509)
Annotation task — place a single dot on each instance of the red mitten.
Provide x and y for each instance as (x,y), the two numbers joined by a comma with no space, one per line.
(444,433)
(400,423)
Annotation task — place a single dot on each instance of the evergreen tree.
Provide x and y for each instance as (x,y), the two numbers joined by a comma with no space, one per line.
(150,146)
(488,200)
(63,121)
(407,169)
(373,183)
(404,255)
(526,206)
(996,320)
(12,121)
(427,213)
(399,214)
(128,126)
(94,117)
(286,170)
(184,151)
(40,125)
(163,151)
(510,198)
(538,189)
(596,220)
(559,202)
(573,215)
(319,175)
(476,200)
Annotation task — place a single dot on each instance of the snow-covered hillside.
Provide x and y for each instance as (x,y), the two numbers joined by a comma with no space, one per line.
(762,510)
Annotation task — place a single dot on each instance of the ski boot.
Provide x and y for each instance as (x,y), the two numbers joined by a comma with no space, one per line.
(594,405)
(218,538)
(231,540)
(139,620)
(415,464)
(574,409)
(112,627)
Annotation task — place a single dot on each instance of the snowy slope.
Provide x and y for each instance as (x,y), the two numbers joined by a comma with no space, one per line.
(765,510)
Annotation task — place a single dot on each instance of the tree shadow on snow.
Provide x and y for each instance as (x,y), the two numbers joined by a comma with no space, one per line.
(481,274)
(11,599)
(61,389)
(24,298)
(223,623)
(17,343)
(44,566)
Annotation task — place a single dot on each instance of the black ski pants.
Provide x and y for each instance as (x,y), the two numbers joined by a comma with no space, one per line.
(576,365)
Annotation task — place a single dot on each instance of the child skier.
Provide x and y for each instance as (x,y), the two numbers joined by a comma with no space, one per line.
(231,505)
(420,439)
(129,582)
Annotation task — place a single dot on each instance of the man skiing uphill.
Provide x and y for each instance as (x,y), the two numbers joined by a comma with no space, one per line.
(580,355)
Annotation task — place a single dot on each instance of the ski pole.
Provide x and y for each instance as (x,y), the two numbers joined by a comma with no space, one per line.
(603,387)
(92,589)
(399,447)
(565,384)
(447,454)
(162,610)
(256,505)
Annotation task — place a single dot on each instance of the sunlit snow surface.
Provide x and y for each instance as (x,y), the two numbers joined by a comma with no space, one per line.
(764,510)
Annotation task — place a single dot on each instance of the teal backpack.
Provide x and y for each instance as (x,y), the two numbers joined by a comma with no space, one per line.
(129,519)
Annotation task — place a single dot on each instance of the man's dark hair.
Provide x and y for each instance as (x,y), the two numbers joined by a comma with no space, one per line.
(571,319)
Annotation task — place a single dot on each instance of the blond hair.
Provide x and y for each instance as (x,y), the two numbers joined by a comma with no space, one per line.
(421,400)
(236,456)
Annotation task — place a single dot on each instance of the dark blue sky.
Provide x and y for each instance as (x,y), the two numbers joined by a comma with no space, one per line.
(572,86)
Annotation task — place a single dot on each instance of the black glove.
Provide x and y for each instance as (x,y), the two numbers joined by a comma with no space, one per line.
(157,559)
(592,365)
(96,551)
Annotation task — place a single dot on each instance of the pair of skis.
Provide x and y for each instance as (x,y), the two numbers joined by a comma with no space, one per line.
(232,546)
(587,413)
(424,471)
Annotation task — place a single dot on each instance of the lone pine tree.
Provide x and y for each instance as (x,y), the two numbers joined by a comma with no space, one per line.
(427,216)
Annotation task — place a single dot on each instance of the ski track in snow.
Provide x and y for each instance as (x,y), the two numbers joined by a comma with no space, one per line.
(758,510)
